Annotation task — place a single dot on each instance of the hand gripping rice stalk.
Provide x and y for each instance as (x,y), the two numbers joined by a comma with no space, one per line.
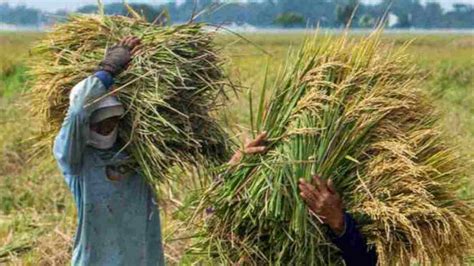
(351,111)
(170,89)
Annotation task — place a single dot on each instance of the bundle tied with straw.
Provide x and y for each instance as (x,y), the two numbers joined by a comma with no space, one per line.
(350,110)
(170,90)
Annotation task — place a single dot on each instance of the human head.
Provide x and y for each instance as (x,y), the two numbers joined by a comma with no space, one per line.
(103,129)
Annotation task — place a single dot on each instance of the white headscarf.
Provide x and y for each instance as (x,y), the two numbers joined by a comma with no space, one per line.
(106,108)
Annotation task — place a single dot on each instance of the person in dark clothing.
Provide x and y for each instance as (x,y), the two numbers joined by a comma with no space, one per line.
(326,205)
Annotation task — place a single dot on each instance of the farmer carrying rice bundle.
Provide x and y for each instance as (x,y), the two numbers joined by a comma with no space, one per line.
(119,127)
(388,182)
(118,219)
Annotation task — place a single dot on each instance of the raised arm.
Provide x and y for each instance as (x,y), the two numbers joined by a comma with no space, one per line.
(71,141)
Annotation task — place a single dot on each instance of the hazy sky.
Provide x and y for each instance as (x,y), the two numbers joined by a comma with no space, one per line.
(53,5)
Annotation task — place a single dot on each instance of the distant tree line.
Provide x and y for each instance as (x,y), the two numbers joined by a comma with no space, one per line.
(270,13)
(20,15)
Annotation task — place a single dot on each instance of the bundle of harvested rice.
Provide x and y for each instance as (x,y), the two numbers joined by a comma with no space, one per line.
(170,89)
(351,111)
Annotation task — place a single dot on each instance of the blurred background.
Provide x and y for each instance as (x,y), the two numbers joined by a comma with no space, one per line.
(37,214)
(253,15)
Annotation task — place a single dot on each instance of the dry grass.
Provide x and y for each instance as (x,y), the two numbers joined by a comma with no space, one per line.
(12,56)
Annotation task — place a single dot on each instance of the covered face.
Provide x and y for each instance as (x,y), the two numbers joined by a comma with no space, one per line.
(103,130)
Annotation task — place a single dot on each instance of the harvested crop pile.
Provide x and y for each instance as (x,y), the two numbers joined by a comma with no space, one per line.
(169,91)
(350,110)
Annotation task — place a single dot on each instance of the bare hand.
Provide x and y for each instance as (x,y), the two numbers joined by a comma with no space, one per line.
(255,146)
(119,56)
(323,201)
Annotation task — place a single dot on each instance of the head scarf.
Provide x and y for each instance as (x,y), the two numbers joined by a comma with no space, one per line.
(106,108)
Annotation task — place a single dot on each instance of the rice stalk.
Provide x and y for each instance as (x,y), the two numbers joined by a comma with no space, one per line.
(170,90)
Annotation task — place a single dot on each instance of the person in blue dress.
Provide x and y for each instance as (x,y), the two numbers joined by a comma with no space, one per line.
(118,218)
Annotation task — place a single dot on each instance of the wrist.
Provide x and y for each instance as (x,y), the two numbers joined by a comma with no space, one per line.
(338,224)
(105,77)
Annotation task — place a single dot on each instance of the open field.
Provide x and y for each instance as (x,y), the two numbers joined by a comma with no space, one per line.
(36,210)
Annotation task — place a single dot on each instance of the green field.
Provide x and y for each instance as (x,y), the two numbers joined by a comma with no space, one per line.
(37,214)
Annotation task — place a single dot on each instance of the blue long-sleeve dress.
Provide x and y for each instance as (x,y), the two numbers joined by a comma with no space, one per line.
(118,220)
